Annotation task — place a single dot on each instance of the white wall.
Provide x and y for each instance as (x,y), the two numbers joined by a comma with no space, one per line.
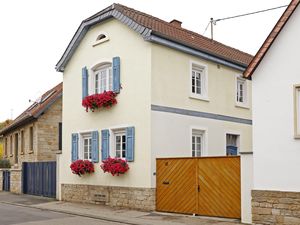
(171,136)
(246,187)
(276,152)
(133,108)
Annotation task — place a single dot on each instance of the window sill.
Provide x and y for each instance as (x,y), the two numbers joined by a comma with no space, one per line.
(22,153)
(100,42)
(58,152)
(244,106)
(11,155)
(202,98)
(30,152)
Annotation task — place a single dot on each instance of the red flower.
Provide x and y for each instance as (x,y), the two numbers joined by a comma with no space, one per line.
(115,166)
(81,167)
(104,100)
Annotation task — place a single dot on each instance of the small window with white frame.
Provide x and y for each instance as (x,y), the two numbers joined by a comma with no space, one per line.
(102,37)
(103,79)
(241,91)
(85,149)
(119,143)
(232,144)
(297,111)
(197,143)
(198,81)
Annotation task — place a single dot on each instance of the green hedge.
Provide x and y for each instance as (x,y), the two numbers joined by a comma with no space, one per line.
(4,163)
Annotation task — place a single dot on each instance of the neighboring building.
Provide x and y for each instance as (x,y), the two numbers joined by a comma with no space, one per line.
(276,128)
(181,95)
(34,135)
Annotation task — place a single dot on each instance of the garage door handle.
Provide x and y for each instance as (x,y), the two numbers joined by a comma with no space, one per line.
(198,188)
(166,182)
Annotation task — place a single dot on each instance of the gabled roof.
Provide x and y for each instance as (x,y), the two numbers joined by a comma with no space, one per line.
(271,38)
(35,110)
(150,27)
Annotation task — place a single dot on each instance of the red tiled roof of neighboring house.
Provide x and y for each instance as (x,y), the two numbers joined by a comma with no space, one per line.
(168,30)
(271,38)
(35,110)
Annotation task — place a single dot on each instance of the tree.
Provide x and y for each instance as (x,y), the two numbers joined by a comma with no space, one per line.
(1,150)
(2,125)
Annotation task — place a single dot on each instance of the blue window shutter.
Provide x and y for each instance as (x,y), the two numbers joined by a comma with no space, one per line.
(74,151)
(104,144)
(85,82)
(95,146)
(116,75)
(130,144)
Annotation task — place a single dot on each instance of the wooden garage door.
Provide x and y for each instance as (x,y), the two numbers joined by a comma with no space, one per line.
(205,186)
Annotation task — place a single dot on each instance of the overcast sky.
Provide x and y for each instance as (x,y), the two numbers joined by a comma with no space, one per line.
(35,33)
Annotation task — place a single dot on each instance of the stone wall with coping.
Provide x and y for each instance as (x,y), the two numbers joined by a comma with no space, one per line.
(127,197)
(16,181)
(275,207)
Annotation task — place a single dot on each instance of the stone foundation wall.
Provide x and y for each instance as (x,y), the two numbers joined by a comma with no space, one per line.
(134,198)
(275,207)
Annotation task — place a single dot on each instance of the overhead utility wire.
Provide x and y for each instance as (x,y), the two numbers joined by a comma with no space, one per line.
(247,14)
(213,22)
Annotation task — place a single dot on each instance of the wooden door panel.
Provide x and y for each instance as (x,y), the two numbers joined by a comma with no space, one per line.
(176,186)
(219,181)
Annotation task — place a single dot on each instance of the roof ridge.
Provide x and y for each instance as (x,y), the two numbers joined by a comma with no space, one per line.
(179,28)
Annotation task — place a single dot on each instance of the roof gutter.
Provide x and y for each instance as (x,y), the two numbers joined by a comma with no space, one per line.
(178,46)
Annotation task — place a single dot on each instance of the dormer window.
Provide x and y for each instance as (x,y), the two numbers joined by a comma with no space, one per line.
(102,37)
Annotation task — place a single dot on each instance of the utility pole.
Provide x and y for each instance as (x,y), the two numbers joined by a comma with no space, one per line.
(212,29)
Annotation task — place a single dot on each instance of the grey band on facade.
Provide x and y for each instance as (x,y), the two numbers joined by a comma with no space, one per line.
(200,114)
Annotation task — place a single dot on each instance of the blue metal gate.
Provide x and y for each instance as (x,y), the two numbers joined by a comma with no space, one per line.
(6,180)
(39,178)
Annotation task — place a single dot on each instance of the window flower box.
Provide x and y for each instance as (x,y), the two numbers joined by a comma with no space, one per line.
(81,167)
(97,101)
(115,166)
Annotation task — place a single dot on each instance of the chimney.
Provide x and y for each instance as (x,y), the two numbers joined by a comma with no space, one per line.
(176,23)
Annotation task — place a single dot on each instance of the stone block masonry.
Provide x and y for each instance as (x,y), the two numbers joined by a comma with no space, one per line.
(124,197)
(275,207)
(16,181)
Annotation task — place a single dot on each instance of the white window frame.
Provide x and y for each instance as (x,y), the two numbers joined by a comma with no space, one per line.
(240,79)
(119,132)
(204,132)
(112,130)
(99,41)
(204,80)
(97,69)
(82,136)
(238,141)
(297,111)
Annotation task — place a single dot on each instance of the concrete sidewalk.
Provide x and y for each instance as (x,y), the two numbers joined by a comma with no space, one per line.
(101,212)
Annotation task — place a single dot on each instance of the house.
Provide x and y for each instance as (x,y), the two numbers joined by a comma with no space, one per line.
(179,94)
(34,136)
(276,152)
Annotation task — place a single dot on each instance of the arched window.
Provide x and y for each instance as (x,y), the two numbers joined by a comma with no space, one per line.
(103,79)
(102,37)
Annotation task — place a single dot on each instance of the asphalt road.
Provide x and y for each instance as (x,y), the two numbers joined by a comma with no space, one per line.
(12,214)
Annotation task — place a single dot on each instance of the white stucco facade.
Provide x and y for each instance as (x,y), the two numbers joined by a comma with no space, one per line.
(152,76)
(276,151)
